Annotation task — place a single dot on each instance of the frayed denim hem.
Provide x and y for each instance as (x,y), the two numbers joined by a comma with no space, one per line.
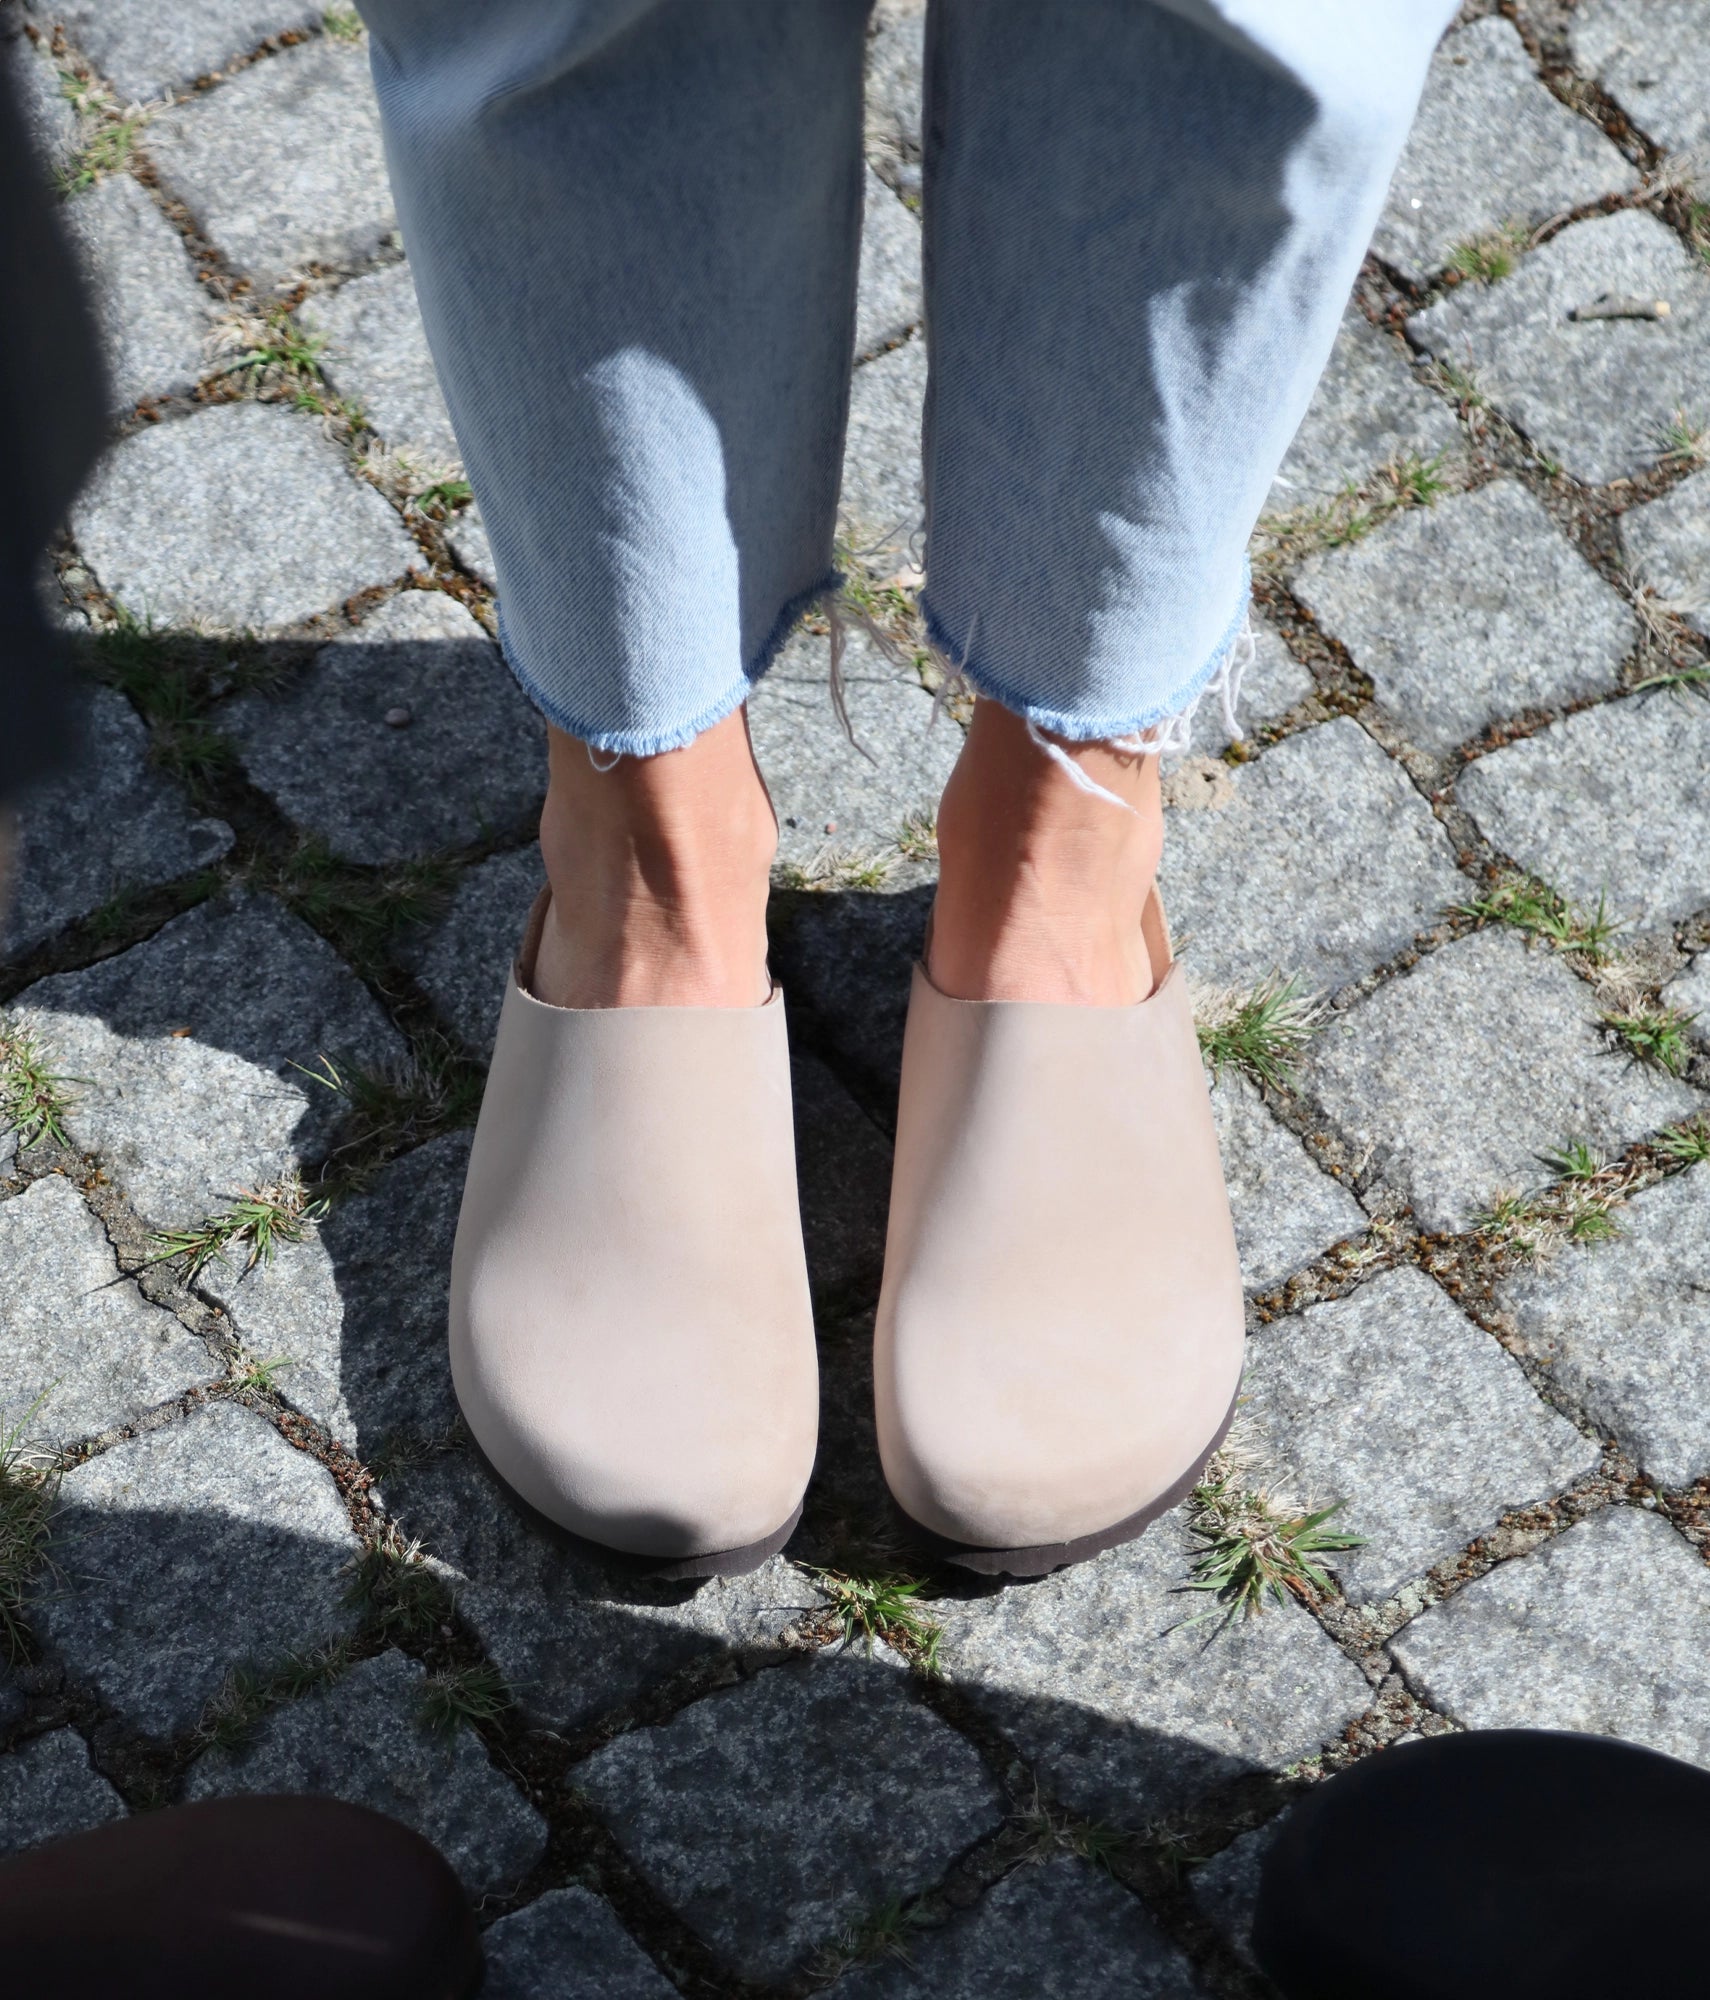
(654,743)
(1079,728)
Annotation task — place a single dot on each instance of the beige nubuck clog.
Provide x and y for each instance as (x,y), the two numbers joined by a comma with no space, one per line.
(1059,1338)
(631,1335)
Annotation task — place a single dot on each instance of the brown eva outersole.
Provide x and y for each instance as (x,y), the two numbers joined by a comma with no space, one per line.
(657,1569)
(1041,1559)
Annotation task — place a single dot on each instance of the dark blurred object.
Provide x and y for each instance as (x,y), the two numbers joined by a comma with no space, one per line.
(53,399)
(1511,1864)
(263,1898)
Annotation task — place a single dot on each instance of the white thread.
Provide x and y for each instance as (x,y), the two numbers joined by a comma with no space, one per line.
(594,759)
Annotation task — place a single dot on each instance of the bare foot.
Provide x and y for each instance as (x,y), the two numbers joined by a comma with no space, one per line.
(1041,885)
(659,869)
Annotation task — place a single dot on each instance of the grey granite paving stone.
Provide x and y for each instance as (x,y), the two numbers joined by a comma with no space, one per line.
(48,116)
(1470,610)
(1653,58)
(1286,1211)
(843,1171)
(316,194)
(896,53)
(358,1309)
(189,1551)
(567,1945)
(1324,863)
(240,518)
(1606,1629)
(111,823)
(1667,543)
(363,1739)
(79,1336)
(1368,411)
(882,506)
(1272,683)
(772,1814)
(146,50)
(1125,1708)
(1624,1327)
(1610,801)
(573,1635)
(466,532)
(848,959)
(154,316)
(469,762)
(1595,394)
(828,796)
(1226,1888)
(1490,146)
(49,1789)
(1458,1076)
(1392,1400)
(1690,993)
(183,1121)
(889,300)
(464,963)
(1057,1931)
(377,355)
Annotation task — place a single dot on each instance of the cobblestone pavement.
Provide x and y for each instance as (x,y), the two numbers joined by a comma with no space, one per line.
(256,961)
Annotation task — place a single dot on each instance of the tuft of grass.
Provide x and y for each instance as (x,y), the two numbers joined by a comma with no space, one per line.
(882,1933)
(1695,679)
(435,1088)
(272,352)
(442,497)
(107,150)
(1683,440)
(1526,905)
(1261,1033)
(1490,258)
(884,1607)
(1051,1829)
(365,909)
(260,1218)
(1654,1034)
(918,840)
(263,1374)
(229,1719)
(33,1094)
(1575,1161)
(392,1586)
(1689,1143)
(1575,1208)
(343,24)
(1418,482)
(170,678)
(26,1506)
(464,1697)
(1257,1546)
(835,868)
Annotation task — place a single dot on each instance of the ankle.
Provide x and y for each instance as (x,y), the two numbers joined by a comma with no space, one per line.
(659,869)
(1041,883)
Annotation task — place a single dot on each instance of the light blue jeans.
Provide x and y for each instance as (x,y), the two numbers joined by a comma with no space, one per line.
(634,227)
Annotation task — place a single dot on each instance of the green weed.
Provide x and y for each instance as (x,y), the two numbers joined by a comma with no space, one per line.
(1255,1547)
(34,1096)
(1261,1033)
(1526,905)
(1654,1034)
(259,1219)
(463,1698)
(26,1506)
(884,1607)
